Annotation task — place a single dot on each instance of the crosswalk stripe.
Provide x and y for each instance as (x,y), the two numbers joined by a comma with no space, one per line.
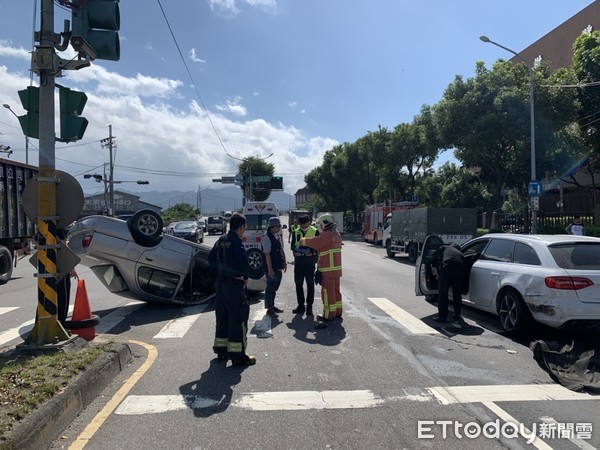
(303,400)
(14,333)
(408,321)
(257,401)
(506,393)
(112,319)
(507,418)
(177,327)
(8,309)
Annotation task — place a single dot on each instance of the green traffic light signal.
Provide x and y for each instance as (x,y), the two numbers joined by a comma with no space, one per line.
(95,26)
(30,122)
(72,126)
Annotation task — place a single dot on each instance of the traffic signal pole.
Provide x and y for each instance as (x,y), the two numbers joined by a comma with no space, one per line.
(47,329)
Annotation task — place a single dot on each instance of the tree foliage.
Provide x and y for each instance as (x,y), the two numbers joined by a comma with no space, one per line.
(179,211)
(252,167)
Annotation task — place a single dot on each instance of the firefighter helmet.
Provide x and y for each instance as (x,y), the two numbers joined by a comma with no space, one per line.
(325,221)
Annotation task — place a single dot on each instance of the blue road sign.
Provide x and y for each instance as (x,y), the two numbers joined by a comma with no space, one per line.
(535,188)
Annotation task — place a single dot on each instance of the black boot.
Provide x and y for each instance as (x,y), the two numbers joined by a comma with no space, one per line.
(309,311)
(298,310)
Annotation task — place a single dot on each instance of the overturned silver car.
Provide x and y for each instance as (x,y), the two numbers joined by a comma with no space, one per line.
(132,258)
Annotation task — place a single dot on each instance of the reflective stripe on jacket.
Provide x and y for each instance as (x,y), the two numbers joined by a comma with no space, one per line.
(329,246)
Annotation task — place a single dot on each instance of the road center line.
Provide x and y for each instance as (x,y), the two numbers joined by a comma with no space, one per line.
(408,321)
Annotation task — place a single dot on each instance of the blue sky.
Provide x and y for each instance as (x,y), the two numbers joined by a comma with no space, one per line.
(290,78)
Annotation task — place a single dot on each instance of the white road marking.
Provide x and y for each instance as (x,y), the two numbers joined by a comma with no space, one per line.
(111,320)
(177,327)
(257,401)
(537,442)
(23,329)
(8,309)
(14,333)
(295,400)
(506,393)
(304,400)
(262,324)
(408,321)
(580,443)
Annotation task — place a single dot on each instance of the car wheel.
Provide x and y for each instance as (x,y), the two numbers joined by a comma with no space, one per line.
(145,227)
(6,265)
(255,261)
(412,253)
(514,315)
(388,249)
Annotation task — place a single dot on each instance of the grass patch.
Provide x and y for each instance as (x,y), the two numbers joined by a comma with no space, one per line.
(27,381)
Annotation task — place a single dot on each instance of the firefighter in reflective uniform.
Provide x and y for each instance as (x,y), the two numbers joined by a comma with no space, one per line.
(329,245)
(228,258)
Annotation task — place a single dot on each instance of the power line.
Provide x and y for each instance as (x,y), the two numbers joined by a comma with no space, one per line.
(193,81)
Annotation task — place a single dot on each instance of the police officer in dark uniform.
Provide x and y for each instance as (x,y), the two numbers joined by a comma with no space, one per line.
(450,271)
(228,258)
(305,260)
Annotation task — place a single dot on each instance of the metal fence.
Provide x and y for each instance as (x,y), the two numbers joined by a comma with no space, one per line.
(554,222)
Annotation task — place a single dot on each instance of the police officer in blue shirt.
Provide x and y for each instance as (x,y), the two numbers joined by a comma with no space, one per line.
(229,260)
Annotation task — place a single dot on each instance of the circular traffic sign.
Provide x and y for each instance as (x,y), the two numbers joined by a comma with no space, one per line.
(69,198)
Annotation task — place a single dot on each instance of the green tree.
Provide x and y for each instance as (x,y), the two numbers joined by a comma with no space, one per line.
(252,167)
(586,67)
(179,211)
(453,187)
(486,121)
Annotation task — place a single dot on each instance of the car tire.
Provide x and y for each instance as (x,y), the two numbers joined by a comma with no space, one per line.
(514,316)
(6,265)
(255,261)
(145,227)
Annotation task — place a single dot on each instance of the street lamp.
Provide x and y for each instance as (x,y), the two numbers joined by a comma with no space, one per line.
(532,120)
(7,106)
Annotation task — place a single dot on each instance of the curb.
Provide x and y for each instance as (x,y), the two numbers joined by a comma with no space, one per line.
(53,417)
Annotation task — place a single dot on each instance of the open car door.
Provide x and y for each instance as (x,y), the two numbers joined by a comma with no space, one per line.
(425,282)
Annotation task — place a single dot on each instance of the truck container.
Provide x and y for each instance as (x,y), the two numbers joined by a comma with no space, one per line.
(405,230)
(16,229)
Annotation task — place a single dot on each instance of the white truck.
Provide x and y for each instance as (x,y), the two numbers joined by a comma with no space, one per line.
(405,230)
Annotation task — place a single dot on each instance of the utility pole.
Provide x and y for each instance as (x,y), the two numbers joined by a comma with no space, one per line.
(108,142)
(47,329)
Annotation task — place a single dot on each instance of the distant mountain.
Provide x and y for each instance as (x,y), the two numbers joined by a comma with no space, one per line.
(209,200)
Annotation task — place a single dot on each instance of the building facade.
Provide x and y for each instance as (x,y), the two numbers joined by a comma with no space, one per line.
(125,203)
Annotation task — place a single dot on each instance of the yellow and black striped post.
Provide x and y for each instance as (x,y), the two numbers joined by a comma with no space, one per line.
(47,328)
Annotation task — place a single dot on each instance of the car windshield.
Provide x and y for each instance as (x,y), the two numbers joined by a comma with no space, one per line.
(215,219)
(580,255)
(185,225)
(258,221)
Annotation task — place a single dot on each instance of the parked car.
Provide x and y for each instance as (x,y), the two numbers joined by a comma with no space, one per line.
(216,224)
(135,259)
(169,228)
(550,279)
(189,230)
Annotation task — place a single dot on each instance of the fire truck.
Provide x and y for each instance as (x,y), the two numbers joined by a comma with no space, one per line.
(374,218)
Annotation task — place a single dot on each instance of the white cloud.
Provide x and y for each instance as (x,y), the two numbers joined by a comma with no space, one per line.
(173,145)
(194,58)
(224,7)
(234,106)
(11,52)
(292,104)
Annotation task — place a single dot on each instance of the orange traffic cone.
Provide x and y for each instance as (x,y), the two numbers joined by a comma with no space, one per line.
(82,314)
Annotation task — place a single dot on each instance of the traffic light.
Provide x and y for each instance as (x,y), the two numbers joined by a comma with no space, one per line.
(72,126)
(276,184)
(95,26)
(30,122)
